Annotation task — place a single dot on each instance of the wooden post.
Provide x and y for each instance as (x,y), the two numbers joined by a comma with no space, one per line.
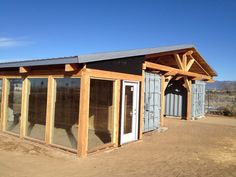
(141,112)
(51,93)
(189,100)
(2,121)
(83,115)
(5,93)
(116,112)
(24,106)
(163,86)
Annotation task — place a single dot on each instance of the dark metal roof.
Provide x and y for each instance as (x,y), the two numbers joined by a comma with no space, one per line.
(130,53)
(93,57)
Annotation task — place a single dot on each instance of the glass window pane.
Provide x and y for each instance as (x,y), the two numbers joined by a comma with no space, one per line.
(14,105)
(128,111)
(66,112)
(36,123)
(101,113)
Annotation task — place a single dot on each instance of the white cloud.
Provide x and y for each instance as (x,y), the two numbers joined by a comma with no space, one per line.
(6,42)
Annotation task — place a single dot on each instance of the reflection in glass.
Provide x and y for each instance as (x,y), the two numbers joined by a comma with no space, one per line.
(36,123)
(128,109)
(66,112)
(14,89)
(101,113)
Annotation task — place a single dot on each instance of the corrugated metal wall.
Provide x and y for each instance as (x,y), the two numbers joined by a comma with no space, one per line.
(198,99)
(152,100)
(175,99)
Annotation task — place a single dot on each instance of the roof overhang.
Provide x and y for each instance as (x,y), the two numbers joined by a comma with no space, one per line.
(147,52)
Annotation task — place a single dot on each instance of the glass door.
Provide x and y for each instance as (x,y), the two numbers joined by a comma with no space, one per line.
(129,114)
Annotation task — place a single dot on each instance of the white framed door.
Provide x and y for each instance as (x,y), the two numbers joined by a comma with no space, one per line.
(129,111)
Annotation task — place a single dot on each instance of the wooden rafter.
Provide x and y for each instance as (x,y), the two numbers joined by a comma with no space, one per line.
(184,61)
(166,82)
(178,78)
(178,71)
(178,60)
(71,67)
(24,69)
(200,65)
(189,65)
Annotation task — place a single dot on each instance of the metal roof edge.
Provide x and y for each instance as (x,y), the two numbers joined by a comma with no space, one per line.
(130,53)
(40,62)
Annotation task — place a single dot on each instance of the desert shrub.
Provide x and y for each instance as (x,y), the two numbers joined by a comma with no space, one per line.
(230,110)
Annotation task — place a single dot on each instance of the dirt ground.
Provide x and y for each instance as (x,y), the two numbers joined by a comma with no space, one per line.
(205,147)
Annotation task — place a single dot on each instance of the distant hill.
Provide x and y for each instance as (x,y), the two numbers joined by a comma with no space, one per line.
(222,85)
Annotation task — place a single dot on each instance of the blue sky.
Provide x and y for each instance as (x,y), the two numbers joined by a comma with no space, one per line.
(53,28)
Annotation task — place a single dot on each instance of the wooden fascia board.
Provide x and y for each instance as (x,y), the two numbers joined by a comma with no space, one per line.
(178,71)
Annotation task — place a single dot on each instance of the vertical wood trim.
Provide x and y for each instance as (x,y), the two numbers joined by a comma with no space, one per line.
(184,61)
(24,106)
(189,101)
(116,99)
(51,93)
(1,113)
(3,104)
(82,147)
(163,86)
(141,109)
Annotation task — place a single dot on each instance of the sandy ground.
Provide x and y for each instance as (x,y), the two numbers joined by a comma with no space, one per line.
(205,147)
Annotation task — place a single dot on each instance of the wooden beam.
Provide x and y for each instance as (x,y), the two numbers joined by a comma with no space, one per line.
(200,66)
(190,63)
(116,100)
(51,95)
(178,71)
(4,103)
(167,80)
(170,73)
(24,106)
(24,69)
(190,52)
(71,67)
(185,61)
(112,75)
(144,66)
(189,101)
(162,100)
(141,110)
(187,83)
(178,78)
(179,62)
(82,146)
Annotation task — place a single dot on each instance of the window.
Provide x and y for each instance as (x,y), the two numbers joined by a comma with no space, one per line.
(14,89)
(101,113)
(35,126)
(66,112)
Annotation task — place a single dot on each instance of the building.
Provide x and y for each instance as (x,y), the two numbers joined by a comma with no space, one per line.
(91,102)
